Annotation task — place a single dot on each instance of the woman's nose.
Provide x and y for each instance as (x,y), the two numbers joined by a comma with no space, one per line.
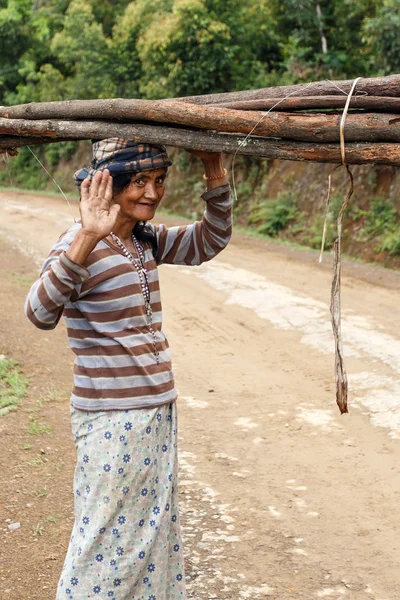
(150,191)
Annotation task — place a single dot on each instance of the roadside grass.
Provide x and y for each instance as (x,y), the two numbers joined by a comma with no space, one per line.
(53,518)
(35,461)
(23,280)
(42,493)
(20,190)
(51,395)
(13,386)
(38,529)
(37,427)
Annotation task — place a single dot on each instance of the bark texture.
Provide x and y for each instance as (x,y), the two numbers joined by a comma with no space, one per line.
(356,153)
(162,110)
(305,127)
(374,86)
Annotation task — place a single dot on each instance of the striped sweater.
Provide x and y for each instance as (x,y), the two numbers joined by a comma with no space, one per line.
(103,306)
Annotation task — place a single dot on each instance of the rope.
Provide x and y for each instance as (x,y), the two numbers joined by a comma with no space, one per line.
(52,178)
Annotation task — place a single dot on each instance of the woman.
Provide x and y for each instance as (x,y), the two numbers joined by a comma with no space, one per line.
(102,275)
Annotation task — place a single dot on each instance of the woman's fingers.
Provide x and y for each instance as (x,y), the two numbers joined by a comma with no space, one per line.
(94,187)
(85,188)
(103,184)
(109,190)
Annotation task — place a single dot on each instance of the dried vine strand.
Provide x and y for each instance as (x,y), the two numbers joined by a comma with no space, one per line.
(335,307)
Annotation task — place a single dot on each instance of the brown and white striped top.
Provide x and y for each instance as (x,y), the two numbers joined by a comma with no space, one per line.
(103,306)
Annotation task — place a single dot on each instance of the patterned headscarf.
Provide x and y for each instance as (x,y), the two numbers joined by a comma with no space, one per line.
(123,156)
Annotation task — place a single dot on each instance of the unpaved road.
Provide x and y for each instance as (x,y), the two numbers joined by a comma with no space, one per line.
(282,497)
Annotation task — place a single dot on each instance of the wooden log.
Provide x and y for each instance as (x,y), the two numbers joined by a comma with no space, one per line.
(375,86)
(123,109)
(304,127)
(384,154)
(372,103)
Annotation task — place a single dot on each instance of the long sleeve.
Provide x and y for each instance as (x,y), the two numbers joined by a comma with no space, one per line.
(60,280)
(201,241)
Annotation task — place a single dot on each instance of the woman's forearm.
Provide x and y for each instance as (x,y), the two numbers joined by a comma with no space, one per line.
(82,245)
(214,172)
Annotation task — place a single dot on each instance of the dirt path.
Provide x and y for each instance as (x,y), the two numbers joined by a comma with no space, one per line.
(281,496)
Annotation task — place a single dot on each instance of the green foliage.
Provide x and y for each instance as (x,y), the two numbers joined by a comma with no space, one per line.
(13,386)
(99,48)
(24,171)
(323,43)
(390,243)
(381,35)
(82,52)
(274,215)
(37,427)
(380,218)
(206,46)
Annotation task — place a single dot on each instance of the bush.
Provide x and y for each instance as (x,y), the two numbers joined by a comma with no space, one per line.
(390,243)
(274,215)
(380,218)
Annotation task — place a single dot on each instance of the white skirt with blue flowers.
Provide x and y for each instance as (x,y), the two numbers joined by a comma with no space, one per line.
(126,542)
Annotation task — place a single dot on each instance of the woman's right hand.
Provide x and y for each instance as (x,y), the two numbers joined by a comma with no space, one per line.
(98,213)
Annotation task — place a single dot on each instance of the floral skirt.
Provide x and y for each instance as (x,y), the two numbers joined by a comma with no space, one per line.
(126,542)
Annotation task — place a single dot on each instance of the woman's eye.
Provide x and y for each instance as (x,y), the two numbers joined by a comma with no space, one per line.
(160,180)
(139,181)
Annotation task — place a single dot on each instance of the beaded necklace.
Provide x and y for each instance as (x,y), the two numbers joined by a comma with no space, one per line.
(139,264)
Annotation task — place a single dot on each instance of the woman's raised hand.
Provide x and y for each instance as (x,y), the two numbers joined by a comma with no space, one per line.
(98,213)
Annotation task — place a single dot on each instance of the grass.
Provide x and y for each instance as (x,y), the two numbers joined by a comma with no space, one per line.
(35,461)
(38,529)
(13,386)
(39,493)
(53,518)
(19,190)
(23,280)
(50,396)
(37,427)
(26,447)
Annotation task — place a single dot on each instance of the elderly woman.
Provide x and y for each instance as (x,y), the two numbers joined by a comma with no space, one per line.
(102,276)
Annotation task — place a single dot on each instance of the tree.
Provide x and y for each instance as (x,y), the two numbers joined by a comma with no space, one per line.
(381,33)
(82,52)
(206,45)
(322,38)
(127,65)
(15,37)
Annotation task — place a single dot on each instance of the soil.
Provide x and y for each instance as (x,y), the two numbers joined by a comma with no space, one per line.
(281,496)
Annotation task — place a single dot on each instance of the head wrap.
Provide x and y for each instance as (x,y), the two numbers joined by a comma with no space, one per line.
(123,156)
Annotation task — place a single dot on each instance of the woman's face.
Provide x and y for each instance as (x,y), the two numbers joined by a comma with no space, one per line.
(139,200)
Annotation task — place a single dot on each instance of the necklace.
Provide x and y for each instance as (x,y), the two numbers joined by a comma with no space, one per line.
(139,264)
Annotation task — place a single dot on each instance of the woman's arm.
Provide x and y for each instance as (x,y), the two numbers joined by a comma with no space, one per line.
(64,272)
(201,241)
(60,279)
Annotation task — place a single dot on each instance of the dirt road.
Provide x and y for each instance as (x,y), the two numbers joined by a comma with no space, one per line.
(281,496)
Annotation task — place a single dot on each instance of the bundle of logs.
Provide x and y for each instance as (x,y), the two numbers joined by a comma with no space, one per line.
(303,122)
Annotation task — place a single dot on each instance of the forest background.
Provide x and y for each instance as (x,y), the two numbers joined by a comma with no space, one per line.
(64,49)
